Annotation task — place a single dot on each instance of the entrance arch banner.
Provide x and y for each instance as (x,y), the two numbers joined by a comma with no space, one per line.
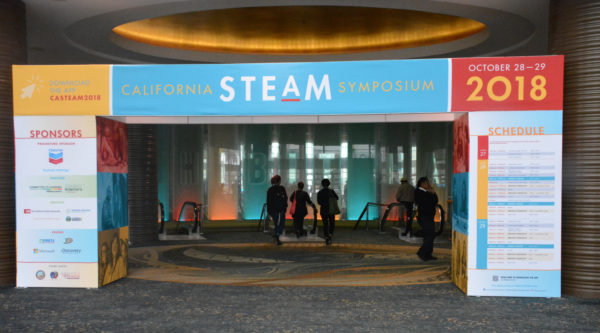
(507,177)
(325,88)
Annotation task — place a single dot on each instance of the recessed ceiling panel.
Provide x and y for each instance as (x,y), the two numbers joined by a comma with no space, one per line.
(299,30)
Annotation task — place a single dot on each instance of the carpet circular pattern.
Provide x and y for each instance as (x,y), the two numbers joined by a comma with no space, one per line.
(262,264)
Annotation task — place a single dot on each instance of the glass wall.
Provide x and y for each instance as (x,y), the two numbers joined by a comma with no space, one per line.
(228,167)
(181,172)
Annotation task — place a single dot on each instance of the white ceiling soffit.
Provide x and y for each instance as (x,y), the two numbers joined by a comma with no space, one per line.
(80,31)
(321,119)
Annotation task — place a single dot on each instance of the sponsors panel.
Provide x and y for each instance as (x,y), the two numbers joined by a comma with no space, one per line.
(61,90)
(407,86)
(56,186)
(56,157)
(42,213)
(56,192)
(68,245)
(66,275)
(515,233)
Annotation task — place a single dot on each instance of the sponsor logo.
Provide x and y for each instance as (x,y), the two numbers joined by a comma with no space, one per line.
(40,275)
(71,251)
(55,156)
(38,251)
(27,211)
(73,188)
(68,240)
(78,210)
(70,275)
(43,211)
(46,241)
(54,275)
(46,188)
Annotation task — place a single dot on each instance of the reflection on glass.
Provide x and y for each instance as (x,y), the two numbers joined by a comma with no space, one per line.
(228,167)
(413,165)
(223,172)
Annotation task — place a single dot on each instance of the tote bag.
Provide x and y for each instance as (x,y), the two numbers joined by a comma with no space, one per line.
(334,209)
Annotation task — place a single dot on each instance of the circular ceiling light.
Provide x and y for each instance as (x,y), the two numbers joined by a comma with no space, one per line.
(299,30)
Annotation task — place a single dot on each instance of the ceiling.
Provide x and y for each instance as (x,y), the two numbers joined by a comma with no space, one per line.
(81,31)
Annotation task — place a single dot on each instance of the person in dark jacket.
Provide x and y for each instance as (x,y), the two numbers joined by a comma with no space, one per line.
(327,216)
(277,205)
(426,201)
(302,198)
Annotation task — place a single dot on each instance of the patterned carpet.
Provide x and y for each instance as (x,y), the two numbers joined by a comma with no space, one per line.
(241,282)
(300,264)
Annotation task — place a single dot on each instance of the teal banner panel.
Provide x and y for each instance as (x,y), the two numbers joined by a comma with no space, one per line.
(366,87)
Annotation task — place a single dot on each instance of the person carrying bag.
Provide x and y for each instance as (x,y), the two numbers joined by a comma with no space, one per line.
(298,209)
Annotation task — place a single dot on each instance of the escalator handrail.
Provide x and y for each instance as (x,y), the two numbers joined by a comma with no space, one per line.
(365,210)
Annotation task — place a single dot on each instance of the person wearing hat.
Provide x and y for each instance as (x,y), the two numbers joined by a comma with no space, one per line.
(406,196)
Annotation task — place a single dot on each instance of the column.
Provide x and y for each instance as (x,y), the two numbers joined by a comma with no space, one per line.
(142,184)
(575,32)
(12,51)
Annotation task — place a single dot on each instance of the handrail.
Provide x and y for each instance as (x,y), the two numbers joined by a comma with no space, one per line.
(197,219)
(366,210)
(162,218)
(264,216)
(387,212)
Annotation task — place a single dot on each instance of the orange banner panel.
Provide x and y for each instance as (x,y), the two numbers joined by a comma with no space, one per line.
(61,90)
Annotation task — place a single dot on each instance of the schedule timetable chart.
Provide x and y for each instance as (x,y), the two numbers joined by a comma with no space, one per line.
(517,220)
(522,201)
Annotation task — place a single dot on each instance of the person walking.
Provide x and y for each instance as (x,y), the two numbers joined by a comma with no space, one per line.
(277,205)
(406,197)
(302,198)
(327,198)
(426,200)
